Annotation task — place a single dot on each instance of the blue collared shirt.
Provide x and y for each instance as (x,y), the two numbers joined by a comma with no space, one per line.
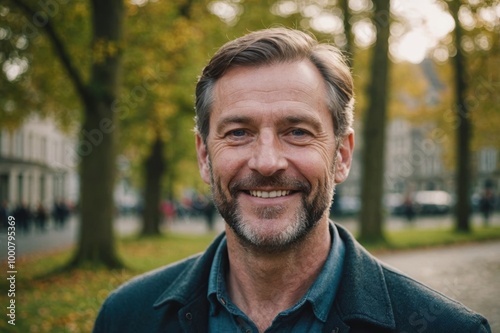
(309,314)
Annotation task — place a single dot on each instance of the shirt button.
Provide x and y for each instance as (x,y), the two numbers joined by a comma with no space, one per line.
(189,316)
(223,301)
(248,331)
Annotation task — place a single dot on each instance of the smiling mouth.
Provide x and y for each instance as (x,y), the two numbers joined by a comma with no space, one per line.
(269,194)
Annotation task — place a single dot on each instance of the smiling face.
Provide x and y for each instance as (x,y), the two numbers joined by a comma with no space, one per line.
(270,156)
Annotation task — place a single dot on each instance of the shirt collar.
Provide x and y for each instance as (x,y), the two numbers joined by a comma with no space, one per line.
(320,295)
(217,278)
(362,295)
(324,289)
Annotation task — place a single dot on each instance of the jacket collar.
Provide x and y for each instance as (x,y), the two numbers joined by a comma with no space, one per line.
(362,294)
(193,280)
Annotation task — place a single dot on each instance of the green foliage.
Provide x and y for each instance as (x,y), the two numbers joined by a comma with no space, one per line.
(69,301)
(41,85)
(484,95)
(410,97)
(166,47)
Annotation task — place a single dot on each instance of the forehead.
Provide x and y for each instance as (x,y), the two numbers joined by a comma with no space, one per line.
(293,87)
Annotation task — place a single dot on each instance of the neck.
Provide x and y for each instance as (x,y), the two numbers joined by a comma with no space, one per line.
(262,284)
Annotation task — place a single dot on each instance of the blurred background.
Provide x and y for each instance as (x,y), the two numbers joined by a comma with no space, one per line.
(96,109)
(96,119)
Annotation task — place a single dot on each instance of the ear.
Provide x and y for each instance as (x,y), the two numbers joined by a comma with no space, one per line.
(202,154)
(344,157)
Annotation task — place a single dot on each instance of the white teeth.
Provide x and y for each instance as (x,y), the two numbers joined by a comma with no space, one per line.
(271,194)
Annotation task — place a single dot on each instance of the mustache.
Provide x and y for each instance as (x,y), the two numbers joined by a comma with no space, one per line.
(257,180)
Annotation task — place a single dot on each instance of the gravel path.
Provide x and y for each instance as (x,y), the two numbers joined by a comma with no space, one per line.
(468,273)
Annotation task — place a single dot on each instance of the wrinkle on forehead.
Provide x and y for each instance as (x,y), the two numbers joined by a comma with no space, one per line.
(248,83)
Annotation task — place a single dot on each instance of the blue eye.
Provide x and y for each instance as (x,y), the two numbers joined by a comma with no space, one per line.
(298,132)
(238,132)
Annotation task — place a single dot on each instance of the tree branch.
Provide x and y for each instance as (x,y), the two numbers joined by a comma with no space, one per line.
(59,49)
(185,9)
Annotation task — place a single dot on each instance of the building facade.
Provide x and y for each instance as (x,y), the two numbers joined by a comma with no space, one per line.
(37,164)
(415,161)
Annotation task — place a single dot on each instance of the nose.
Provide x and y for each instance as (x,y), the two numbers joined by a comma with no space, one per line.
(267,156)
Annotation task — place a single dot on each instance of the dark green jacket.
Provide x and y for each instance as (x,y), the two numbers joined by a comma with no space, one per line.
(371,298)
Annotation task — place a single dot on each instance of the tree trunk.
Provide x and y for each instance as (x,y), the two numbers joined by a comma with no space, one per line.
(96,147)
(154,168)
(96,239)
(463,173)
(372,187)
(349,46)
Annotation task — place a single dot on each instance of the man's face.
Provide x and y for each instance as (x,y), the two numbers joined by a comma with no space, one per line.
(271,156)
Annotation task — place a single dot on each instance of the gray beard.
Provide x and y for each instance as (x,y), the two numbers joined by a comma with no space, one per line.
(307,215)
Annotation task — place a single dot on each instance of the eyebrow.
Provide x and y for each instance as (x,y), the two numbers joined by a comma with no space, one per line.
(301,119)
(286,121)
(233,120)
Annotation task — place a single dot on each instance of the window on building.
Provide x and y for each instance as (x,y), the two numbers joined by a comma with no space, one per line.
(30,147)
(55,187)
(20,192)
(488,159)
(30,188)
(4,187)
(55,152)
(42,188)
(43,149)
(19,144)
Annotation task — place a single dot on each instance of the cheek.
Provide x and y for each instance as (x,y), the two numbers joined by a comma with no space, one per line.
(319,159)
(316,166)
(226,165)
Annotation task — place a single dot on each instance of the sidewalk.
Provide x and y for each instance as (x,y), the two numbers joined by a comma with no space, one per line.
(468,273)
(420,222)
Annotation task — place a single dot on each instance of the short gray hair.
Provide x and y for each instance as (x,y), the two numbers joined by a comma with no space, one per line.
(279,45)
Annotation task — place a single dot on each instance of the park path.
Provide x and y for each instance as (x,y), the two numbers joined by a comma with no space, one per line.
(468,273)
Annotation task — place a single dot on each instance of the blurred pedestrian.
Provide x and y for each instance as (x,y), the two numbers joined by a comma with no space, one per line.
(409,208)
(209,212)
(487,204)
(60,214)
(41,216)
(4,215)
(168,210)
(23,216)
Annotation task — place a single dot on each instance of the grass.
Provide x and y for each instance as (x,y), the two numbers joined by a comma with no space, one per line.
(69,301)
(418,238)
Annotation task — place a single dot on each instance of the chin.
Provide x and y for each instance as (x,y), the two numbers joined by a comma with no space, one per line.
(272,235)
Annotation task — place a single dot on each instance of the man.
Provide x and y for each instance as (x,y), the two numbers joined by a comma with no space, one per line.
(273,137)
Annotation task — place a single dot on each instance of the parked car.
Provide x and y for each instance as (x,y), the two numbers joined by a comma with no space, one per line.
(393,203)
(424,203)
(432,202)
